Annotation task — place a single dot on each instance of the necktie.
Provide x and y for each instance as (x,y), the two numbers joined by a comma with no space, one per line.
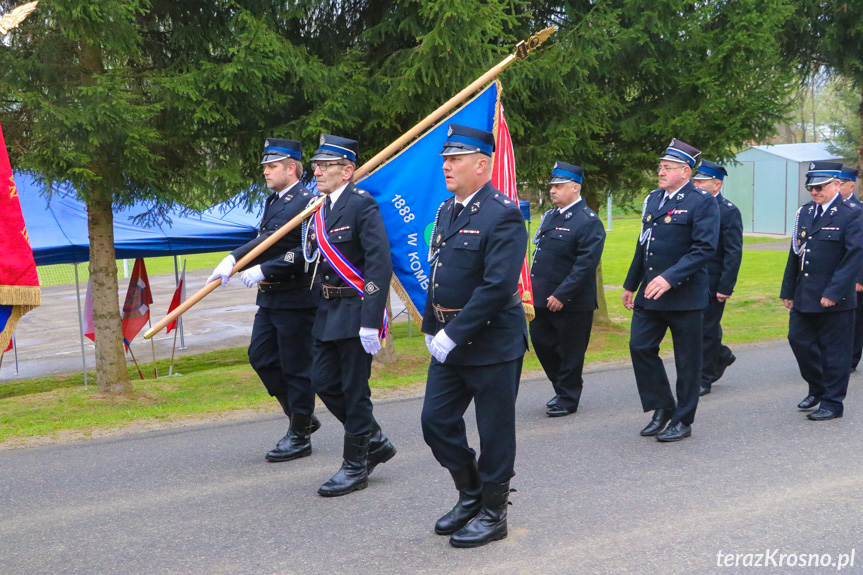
(456,210)
(328,204)
(664,199)
(818,211)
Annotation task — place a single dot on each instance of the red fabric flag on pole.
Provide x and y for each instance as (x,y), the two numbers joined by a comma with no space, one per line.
(89,330)
(179,297)
(503,178)
(11,344)
(19,284)
(139,298)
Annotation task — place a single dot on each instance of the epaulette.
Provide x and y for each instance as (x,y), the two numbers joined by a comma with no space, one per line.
(360,191)
(590,213)
(501,198)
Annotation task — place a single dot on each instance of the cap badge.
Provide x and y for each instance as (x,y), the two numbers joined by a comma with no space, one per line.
(812,165)
(449,132)
(323,140)
(266,143)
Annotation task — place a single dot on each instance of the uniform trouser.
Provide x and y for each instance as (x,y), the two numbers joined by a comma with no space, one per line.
(281,354)
(646,333)
(493,388)
(858,332)
(340,376)
(821,342)
(560,339)
(715,354)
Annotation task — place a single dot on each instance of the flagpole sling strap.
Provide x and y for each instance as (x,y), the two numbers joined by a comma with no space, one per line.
(344,268)
(522,49)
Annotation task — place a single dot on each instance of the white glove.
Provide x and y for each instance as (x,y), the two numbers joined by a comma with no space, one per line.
(223,270)
(429,340)
(441,345)
(369,339)
(252,276)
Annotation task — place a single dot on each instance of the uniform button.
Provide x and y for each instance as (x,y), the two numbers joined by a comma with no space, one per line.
(465,243)
(806,275)
(807,263)
(808,250)
(651,253)
(531,275)
(650,269)
(436,285)
(326,277)
(440,264)
(443,244)
(489,321)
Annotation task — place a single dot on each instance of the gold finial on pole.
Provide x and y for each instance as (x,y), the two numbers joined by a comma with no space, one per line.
(10,20)
(522,49)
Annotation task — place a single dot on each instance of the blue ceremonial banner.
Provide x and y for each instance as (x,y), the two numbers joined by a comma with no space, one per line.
(410,188)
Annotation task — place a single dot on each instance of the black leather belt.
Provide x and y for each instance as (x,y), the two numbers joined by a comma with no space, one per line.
(444,315)
(331,292)
(267,287)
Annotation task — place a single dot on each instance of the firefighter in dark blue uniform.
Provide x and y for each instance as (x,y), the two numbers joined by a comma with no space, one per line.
(722,270)
(281,350)
(679,230)
(569,245)
(346,332)
(819,288)
(476,332)
(848,180)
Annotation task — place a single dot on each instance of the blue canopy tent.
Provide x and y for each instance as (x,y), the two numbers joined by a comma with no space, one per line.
(58,233)
(58,229)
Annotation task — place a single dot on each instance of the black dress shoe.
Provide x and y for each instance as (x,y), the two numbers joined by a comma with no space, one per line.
(675,432)
(725,365)
(552,401)
(558,410)
(823,414)
(808,403)
(705,389)
(660,418)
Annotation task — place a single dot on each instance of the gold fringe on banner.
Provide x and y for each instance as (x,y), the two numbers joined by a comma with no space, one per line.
(22,299)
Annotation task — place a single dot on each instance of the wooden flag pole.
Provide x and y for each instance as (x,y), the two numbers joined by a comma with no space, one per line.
(153,345)
(136,361)
(522,49)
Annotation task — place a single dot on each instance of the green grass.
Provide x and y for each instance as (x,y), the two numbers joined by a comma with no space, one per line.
(221,381)
(64,274)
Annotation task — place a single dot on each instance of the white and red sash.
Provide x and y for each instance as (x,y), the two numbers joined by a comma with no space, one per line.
(346,270)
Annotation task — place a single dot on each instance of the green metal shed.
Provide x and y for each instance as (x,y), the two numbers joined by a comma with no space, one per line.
(766,183)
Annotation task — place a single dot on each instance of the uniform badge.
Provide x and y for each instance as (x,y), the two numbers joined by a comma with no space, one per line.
(667,219)
(371,288)
(437,241)
(474,207)
(811,166)
(323,140)
(507,202)
(289,257)
(649,217)
(266,143)
(803,234)
(449,132)
(568,216)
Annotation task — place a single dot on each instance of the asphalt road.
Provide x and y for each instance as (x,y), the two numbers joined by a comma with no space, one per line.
(593,496)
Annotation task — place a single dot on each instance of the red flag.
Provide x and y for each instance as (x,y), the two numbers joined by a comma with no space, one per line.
(179,297)
(503,178)
(11,345)
(19,284)
(89,330)
(139,298)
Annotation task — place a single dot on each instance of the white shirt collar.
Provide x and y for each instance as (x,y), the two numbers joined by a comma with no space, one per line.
(468,199)
(288,189)
(830,203)
(569,206)
(334,197)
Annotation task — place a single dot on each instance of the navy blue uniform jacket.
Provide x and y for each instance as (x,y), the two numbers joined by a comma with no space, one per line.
(724,266)
(283,261)
(355,227)
(831,254)
(683,236)
(477,270)
(567,253)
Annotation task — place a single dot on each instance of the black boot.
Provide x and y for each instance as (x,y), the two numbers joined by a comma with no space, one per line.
(469,501)
(283,401)
(490,523)
(354,474)
(380,448)
(298,441)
